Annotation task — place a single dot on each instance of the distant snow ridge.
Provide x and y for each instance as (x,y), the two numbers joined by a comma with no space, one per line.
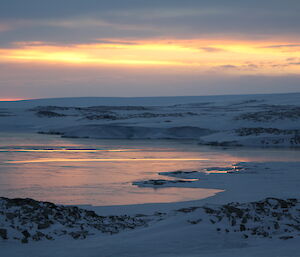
(29,220)
(131,132)
(245,120)
(254,136)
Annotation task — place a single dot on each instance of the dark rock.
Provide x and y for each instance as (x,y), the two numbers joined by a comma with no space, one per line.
(276,225)
(26,234)
(286,237)
(49,114)
(3,233)
(244,220)
(242,227)
(44,225)
(186,210)
(209,210)
(234,210)
(24,240)
(49,237)
(10,215)
(79,234)
(38,236)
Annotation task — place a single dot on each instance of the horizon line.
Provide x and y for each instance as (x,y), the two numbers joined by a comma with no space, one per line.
(169,96)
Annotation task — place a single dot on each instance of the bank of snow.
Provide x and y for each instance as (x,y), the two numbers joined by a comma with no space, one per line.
(130,132)
(244,120)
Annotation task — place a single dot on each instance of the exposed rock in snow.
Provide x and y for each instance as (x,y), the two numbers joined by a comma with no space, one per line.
(29,220)
(49,114)
(259,131)
(271,217)
(272,113)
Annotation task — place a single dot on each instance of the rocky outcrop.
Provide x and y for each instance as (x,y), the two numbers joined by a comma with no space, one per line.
(271,217)
(29,220)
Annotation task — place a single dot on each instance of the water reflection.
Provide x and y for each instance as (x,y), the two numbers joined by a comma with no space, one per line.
(100,172)
(65,150)
(107,160)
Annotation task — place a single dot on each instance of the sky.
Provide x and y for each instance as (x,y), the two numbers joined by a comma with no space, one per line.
(71,48)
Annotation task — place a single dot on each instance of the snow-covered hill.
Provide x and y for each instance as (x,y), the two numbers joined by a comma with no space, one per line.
(241,120)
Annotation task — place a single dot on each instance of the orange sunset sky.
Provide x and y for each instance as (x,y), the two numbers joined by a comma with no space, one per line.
(133,48)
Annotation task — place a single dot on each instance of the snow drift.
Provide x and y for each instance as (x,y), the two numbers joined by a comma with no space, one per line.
(130,132)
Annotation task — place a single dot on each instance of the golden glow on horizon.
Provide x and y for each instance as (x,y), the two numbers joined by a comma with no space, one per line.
(10,99)
(235,57)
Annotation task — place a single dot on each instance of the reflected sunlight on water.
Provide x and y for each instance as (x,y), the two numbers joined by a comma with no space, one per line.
(101,172)
(106,160)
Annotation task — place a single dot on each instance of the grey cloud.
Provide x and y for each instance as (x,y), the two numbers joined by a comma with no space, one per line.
(211,49)
(243,67)
(77,20)
(227,66)
(282,46)
(66,8)
(70,35)
(116,42)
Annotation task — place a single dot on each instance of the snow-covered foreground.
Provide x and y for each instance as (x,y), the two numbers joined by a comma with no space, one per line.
(249,120)
(230,229)
(260,224)
(255,213)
